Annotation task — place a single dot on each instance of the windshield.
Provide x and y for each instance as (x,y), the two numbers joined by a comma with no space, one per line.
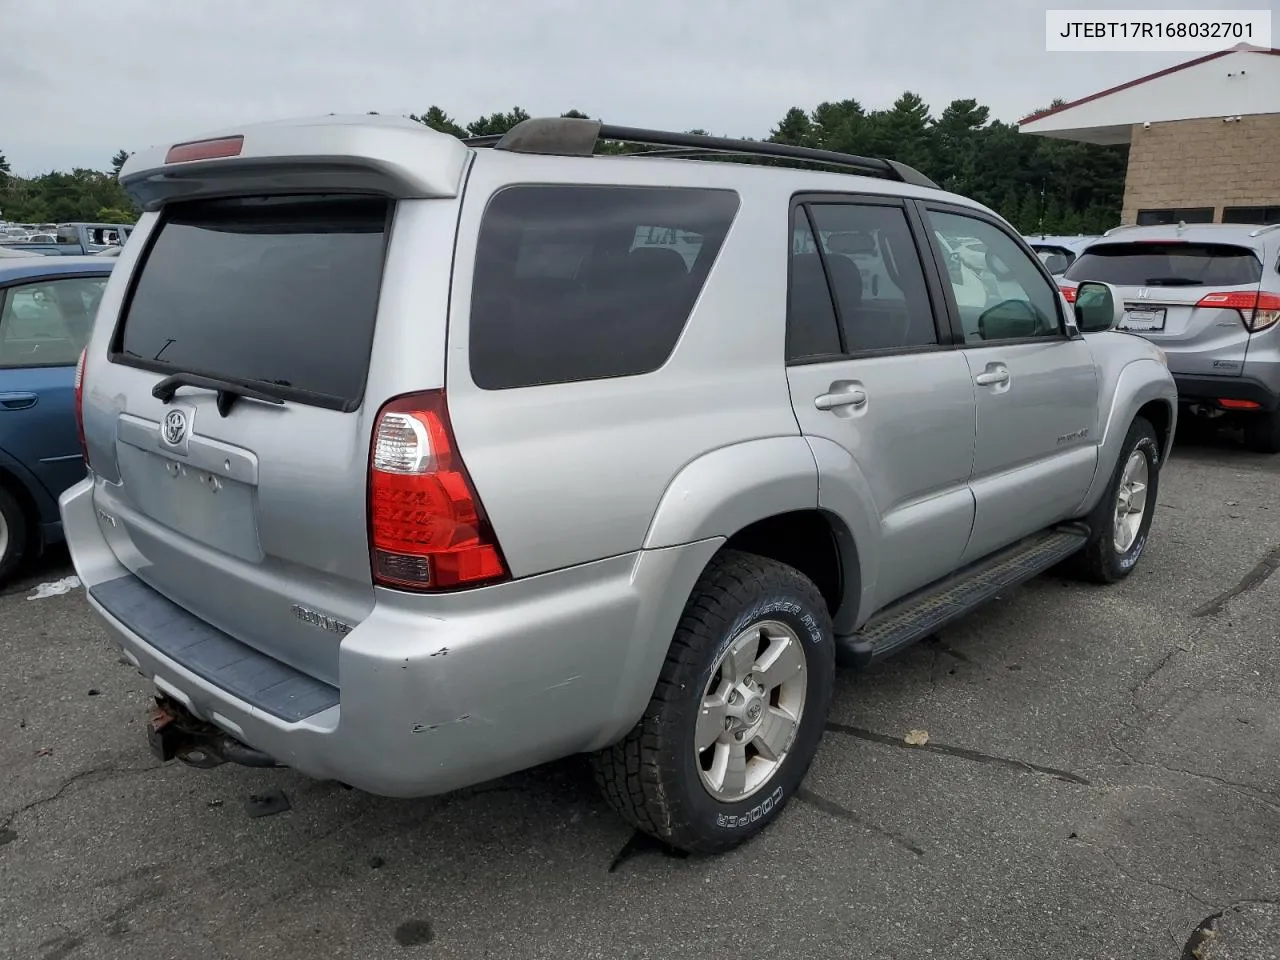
(1172,264)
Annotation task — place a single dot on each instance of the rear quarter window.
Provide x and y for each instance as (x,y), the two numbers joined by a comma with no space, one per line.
(1173,264)
(584,282)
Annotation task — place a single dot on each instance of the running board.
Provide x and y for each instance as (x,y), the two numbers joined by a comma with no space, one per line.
(921,614)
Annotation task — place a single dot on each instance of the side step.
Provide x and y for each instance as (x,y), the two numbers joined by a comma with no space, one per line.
(920,614)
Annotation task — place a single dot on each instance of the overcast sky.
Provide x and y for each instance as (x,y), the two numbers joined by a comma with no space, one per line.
(80,79)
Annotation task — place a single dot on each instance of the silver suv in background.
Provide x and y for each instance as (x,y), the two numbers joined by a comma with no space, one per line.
(415,462)
(1057,253)
(1209,296)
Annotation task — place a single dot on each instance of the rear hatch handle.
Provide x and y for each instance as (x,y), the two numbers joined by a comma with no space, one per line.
(228,391)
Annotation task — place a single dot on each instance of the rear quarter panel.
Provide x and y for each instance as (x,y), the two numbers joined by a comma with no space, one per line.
(574,472)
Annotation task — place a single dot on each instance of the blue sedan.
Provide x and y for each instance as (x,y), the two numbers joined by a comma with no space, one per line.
(47,306)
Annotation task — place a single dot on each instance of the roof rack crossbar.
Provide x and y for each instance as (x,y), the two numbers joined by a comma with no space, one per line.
(571,136)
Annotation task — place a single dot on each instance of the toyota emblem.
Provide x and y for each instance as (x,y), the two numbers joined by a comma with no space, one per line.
(175,427)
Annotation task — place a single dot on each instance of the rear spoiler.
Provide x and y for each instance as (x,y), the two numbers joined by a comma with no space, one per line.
(388,156)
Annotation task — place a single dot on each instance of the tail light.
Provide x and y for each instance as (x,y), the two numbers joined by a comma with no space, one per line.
(1258,311)
(427,528)
(1069,293)
(79,403)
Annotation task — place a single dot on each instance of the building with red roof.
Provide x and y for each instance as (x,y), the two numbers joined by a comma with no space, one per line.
(1203,136)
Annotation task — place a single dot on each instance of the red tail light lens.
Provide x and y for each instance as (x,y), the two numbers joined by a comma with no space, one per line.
(1258,311)
(1069,293)
(427,527)
(79,402)
(1239,404)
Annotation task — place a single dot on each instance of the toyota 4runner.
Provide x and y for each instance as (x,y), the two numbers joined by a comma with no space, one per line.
(415,462)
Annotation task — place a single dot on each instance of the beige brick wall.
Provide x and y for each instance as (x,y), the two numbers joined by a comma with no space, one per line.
(1204,163)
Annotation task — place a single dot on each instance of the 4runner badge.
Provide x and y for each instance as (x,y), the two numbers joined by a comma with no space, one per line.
(321,620)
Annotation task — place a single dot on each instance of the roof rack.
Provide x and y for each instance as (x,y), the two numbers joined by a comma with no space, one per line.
(576,137)
(1123,226)
(1265,229)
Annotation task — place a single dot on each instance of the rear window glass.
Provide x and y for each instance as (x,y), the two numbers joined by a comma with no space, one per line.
(588,282)
(1167,265)
(279,291)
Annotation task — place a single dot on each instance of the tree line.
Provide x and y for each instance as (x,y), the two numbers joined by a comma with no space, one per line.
(58,197)
(1038,184)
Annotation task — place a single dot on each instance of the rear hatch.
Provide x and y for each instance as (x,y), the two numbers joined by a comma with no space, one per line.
(238,463)
(1197,300)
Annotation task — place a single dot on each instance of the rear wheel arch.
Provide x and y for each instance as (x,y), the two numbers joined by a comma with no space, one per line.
(817,544)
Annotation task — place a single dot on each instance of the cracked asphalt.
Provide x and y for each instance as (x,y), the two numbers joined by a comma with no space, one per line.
(1101,780)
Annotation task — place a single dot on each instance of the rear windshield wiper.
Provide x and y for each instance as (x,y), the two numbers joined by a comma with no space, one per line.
(1172,282)
(229,391)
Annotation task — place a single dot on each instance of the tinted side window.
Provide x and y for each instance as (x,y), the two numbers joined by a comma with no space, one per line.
(876,274)
(999,289)
(811,318)
(579,282)
(48,323)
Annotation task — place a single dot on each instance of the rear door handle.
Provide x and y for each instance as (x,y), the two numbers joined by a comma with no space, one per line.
(17,401)
(850,397)
(991,378)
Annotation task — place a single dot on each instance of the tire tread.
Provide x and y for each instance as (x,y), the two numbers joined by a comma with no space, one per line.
(634,774)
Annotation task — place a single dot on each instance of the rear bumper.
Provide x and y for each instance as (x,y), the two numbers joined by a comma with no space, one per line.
(506,678)
(1204,388)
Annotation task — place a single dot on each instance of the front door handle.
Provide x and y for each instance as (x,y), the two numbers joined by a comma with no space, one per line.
(848,397)
(17,401)
(991,378)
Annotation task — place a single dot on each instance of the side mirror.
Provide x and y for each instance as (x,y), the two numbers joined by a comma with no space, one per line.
(1097,307)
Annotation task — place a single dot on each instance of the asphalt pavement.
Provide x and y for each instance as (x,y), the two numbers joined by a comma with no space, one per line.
(1101,780)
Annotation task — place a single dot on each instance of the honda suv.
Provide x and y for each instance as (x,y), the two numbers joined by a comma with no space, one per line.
(1209,296)
(415,462)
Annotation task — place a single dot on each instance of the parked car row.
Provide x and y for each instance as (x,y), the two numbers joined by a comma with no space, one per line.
(414,462)
(71,239)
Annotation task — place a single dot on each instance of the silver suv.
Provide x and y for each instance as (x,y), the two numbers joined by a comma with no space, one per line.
(417,462)
(1058,252)
(1209,296)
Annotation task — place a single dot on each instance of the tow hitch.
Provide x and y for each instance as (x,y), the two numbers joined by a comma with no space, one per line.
(174,733)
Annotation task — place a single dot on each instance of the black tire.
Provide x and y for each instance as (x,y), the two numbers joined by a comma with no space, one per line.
(652,776)
(13,535)
(1262,432)
(1099,561)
